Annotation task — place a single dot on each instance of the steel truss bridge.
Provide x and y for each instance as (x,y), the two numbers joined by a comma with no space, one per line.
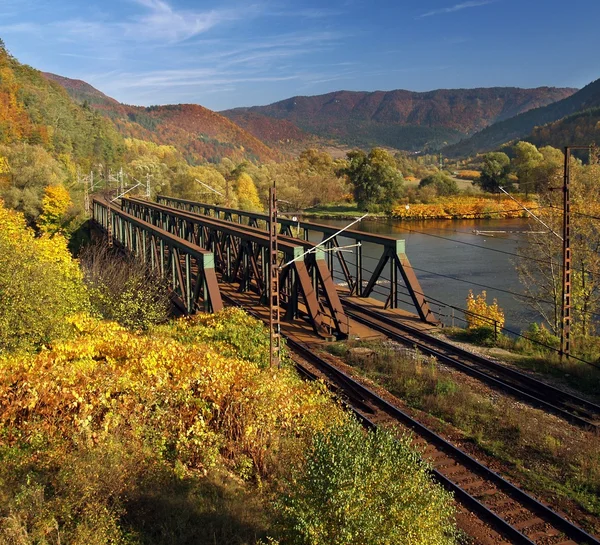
(196,246)
(189,269)
(360,280)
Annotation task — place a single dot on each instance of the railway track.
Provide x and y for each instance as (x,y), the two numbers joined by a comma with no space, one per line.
(513,513)
(518,516)
(572,408)
(524,387)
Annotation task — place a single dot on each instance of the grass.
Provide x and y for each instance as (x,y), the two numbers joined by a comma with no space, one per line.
(341,210)
(553,459)
(530,356)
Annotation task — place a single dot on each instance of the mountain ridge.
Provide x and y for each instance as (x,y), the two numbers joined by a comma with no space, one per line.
(200,133)
(525,125)
(400,118)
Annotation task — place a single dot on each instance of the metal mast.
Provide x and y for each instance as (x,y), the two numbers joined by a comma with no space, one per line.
(565,327)
(274,317)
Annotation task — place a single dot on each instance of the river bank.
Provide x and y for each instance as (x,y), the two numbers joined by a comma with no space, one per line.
(459,207)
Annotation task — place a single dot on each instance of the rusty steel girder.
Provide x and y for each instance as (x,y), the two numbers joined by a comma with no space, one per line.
(242,257)
(360,280)
(189,269)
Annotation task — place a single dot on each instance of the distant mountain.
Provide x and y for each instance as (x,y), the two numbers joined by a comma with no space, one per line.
(400,119)
(531,125)
(579,129)
(199,133)
(272,131)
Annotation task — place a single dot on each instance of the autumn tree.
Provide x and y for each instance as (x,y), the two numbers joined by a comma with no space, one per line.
(494,172)
(549,172)
(444,185)
(157,162)
(525,165)
(4,171)
(542,275)
(376,181)
(247,194)
(313,178)
(31,170)
(55,205)
(202,183)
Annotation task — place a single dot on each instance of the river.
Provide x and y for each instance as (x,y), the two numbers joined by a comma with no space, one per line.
(460,260)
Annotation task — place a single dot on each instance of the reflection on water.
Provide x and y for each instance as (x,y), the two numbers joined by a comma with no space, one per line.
(447,269)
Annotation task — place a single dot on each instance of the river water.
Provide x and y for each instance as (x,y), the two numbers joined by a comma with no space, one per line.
(450,258)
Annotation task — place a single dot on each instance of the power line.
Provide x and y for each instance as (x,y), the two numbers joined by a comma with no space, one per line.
(478,246)
(444,304)
(577,213)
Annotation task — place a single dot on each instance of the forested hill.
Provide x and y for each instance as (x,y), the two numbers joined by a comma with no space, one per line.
(199,133)
(402,119)
(38,112)
(579,129)
(280,133)
(531,125)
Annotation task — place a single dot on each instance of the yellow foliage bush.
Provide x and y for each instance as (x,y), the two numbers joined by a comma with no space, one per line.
(189,394)
(55,204)
(469,174)
(462,207)
(481,313)
(40,284)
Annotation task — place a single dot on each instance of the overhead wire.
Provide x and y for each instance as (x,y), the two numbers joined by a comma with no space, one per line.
(485,286)
(477,246)
(443,304)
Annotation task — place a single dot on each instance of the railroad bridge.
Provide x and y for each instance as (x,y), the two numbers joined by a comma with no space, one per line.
(204,250)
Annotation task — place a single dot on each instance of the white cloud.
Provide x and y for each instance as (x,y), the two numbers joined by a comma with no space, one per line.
(158,22)
(19,28)
(457,7)
(162,22)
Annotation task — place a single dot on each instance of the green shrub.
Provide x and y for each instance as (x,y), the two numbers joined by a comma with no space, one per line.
(442,182)
(537,337)
(234,330)
(360,488)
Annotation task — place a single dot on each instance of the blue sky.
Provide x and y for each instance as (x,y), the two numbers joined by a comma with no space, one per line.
(229,53)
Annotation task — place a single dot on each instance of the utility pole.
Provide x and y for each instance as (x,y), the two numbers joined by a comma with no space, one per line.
(565,309)
(274,317)
(148,186)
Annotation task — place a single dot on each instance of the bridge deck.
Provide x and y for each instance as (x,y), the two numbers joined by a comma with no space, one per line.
(401,315)
(301,330)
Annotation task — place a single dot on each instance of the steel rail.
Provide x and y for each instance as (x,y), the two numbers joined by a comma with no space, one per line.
(556,519)
(570,529)
(460,493)
(559,402)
